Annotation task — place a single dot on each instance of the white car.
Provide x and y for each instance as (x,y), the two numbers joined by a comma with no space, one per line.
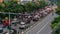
(22,25)
(36,18)
(44,13)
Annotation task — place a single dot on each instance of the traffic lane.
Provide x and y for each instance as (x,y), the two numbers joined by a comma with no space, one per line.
(46,30)
(35,29)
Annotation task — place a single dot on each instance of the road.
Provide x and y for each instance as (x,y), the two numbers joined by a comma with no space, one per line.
(43,27)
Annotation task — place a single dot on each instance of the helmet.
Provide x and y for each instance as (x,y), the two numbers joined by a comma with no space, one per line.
(6,17)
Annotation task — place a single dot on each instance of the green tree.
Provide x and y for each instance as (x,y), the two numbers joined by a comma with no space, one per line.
(1,6)
(42,4)
(55,22)
(58,10)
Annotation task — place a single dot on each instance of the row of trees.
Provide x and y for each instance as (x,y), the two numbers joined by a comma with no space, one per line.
(29,6)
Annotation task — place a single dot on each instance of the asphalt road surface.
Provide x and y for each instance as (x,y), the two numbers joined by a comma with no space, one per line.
(43,27)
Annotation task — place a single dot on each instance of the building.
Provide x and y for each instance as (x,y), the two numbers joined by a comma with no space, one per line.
(1,0)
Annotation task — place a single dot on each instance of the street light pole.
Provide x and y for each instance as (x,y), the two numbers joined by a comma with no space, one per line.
(9,16)
(9,22)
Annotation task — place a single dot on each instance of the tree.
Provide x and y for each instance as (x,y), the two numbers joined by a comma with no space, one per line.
(55,22)
(29,6)
(1,6)
(58,10)
(36,6)
(13,7)
(42,4)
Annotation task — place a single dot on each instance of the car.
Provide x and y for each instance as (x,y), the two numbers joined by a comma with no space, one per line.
(36,18)
(45,13)
(1,30)
(28,19)
(13,31)
(49,9)
(22,25)
(6,33)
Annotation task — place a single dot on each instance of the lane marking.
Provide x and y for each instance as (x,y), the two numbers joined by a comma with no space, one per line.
(33,27)
(42,28)
(37,24)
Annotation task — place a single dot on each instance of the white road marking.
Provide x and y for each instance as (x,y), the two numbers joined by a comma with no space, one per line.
(37,24)
(33,27)
(42,28)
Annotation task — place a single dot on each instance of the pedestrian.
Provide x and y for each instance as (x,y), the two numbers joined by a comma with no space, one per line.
(15,18)
(5,22)
(20,18)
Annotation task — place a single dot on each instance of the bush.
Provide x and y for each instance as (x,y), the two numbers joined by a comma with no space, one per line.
(55,22)
(58,10)
(53,25)
(57,31)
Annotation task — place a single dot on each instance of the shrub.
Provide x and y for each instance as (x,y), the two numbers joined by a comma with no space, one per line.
(53,25)
(58,10)
(55,22)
